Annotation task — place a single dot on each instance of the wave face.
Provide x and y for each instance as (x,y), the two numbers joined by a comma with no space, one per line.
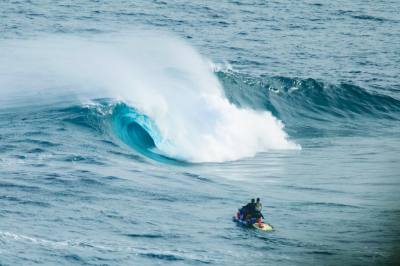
(309,107)
(164,84)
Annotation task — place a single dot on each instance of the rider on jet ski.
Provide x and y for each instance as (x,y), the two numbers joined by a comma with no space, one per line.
(251,210)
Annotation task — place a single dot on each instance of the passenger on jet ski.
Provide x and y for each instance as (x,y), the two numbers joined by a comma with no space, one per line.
(258,205)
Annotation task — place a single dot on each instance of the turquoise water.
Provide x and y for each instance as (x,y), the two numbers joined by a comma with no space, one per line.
(130,133)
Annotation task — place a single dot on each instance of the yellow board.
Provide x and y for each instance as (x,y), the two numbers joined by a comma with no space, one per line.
(264,227)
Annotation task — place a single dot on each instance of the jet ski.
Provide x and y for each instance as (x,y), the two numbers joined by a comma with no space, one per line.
(252,223)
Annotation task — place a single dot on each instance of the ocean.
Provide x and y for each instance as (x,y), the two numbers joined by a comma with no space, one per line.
(132,131)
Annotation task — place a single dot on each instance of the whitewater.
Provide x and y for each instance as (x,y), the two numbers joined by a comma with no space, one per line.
(130,133)
(160,76)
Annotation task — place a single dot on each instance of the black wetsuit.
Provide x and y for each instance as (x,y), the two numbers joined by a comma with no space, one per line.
(249,210)
(258,215)
(252,208)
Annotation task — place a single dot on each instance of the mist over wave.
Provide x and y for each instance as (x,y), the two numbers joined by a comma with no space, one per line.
(159,75)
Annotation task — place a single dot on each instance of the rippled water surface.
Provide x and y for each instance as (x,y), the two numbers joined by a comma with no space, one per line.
(130,132)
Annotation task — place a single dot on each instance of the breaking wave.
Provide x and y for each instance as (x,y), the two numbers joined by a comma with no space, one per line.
(173,105)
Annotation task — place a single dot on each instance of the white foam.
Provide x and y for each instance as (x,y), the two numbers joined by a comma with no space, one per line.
(158,74)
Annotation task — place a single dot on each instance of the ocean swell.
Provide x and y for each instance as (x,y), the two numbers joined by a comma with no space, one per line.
(309,106)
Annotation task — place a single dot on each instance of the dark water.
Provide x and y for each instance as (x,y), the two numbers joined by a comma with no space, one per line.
(118,145)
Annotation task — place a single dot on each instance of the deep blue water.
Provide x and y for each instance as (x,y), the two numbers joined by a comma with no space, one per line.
(130,132)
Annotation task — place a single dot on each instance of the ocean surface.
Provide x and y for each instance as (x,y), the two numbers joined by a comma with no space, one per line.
(132,131)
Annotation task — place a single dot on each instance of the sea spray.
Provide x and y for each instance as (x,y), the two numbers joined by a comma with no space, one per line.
(160,76)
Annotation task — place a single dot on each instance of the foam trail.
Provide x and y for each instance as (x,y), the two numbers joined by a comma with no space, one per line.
(158,74)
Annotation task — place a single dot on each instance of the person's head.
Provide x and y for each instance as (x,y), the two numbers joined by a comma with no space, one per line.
(252,200)
(258,199)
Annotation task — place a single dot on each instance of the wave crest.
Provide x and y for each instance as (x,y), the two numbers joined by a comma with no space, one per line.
(285,96)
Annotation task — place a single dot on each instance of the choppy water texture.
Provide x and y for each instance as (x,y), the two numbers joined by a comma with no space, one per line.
(130,132)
